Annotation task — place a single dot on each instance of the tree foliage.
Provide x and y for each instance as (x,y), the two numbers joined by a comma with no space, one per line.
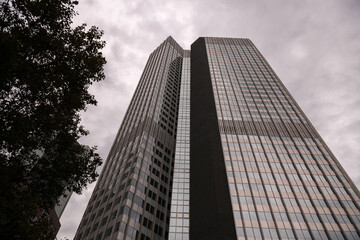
(46,67)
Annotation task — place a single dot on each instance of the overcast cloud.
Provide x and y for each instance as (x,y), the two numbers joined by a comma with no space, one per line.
(313,46)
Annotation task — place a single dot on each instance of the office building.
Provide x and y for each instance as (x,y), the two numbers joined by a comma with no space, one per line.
(213,146)
(63,201)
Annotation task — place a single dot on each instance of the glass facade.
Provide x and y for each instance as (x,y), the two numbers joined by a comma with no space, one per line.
(284,182)
(131,199)
(180,200)
(275,176)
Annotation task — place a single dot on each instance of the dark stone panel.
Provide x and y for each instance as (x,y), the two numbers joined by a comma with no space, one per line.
(211,214)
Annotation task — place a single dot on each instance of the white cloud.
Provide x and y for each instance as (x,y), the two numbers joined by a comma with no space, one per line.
(298,51)
(312,45)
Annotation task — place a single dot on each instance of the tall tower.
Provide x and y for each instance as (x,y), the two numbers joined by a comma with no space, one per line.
(259,169)
(213,146)
(131,199)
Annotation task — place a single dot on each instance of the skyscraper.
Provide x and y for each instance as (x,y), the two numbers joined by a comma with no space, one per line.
(213,146)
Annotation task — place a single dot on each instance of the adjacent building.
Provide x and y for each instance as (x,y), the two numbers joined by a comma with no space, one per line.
(213,146)
(63,201)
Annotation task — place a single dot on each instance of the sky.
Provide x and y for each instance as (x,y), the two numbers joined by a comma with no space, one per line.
(312,45)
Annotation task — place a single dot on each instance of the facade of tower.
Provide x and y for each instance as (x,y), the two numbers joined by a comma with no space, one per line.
(268,174)
(213,146)
(131,199)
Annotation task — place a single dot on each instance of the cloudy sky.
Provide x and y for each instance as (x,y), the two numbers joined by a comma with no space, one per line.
(313,46)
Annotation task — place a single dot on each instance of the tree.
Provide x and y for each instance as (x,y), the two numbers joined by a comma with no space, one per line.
(46,67)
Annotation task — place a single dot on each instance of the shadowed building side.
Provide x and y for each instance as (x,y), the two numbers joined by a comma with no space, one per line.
(210,205)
